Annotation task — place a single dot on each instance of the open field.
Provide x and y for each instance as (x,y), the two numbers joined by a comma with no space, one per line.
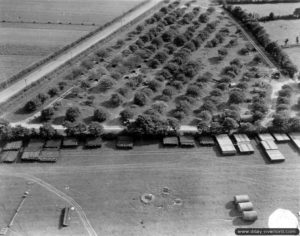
(21,45)
(108,185)
(19,39)
(266,9)
(65,11)
(281,30)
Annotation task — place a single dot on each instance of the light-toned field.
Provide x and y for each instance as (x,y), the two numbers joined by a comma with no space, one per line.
(266,9)
(108,184)
(21,46)
(65,11)
(281,30)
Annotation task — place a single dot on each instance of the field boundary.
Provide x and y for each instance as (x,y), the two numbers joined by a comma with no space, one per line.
(26,71)
(77,58)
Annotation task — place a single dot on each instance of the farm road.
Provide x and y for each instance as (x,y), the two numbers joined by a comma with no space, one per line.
(73,52)
(86,223)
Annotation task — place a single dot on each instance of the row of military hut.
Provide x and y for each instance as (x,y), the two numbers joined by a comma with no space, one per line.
(49,150)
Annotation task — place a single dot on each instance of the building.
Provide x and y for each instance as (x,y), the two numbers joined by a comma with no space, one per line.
(245,148)
(225,144)
(30,155)
(275,155)
(170,141)
(13,146)
(295,137)
(9,156)
(241,138)
(187,141)
(93,142)
(269,145)
(206,141)
(124,142)
(35,144)
(265,137)
(281,137)
(66,216)
(297,12)
(70,143)
(53,143)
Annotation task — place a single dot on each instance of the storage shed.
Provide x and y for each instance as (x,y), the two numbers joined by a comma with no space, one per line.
(281,137)
(30,155)
(225,144)
(265,137)
(49,156)
(245,148)
(295,137)
(269,145)
(13,146)
(170,141)
(239,138)
(275,155)
(124,142)
(93,142)
(70,143)
(206,141)
(9,156)
(53,143)
(66,213)
(187,141)
(35,144)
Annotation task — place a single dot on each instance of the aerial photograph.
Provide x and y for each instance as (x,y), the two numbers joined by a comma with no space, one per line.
(149,117)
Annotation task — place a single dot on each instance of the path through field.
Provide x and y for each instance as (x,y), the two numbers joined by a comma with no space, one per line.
(73,52)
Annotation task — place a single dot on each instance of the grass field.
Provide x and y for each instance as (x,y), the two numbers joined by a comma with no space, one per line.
(108,184)
(266,9)
(35,40)
(65,11)
(281,30)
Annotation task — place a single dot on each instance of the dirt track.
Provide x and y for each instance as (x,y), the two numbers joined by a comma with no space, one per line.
(60,60)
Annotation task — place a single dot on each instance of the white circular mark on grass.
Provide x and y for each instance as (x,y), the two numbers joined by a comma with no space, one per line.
(147,198)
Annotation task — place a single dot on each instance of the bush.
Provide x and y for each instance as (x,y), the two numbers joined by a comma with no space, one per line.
(95,129)
(47,113)
(106,84)
(42,97)
(140,99)
(154,85)
(88,64)
(161,56)
(115,100)
(216,92)
(100,114)
(52,92)
(62,85)
(193,91)
(179,40)
(203,18)
(32,105)
(154,63)
(236,97)
(72,114)
(126,115)
(168,91)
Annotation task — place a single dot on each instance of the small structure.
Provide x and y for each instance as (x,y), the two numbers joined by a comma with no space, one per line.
(225,144)
(186,141)
(35,144)
(49,155)
(206,141)
(93,142)
(241,198)
(245,148)
(297,12)
(30,155)
(53,143)
(249,215)
(13,146)
(281,137)
(70,143)
(295,137)
(9,156)
(275,155)
(147,198)
(244,206)
(246,118)
(66,216)
(265,137)
(269,145)
(124,142)
(239,138)
(170,141)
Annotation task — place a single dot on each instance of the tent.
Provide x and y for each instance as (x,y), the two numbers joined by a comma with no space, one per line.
(282,218)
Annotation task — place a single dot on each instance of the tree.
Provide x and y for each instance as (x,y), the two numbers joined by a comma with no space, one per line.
(53,91)
(222,52)
(72,114)
(161,56)
(271,16)
(230,124)
(154,85)
(173,123)
(236,97)
(75,129)
(140,99)
(32,105)
(280,123)
(95,129)
(115,100)
(100,114)
(47,113)
(126,115)
(179,40)
(105,84)
(47,131)
(193,91)
(203,18)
